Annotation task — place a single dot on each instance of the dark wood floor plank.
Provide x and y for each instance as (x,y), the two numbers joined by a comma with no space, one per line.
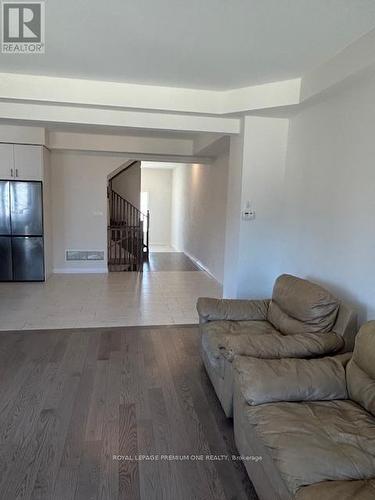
(15,383)
(70,368)
(182,439)
(9,349)
(196,432)
(217,428)
(151,377)
(149,468)
(67,478)
(133,390)
(171,483)
(19,420)
(76,433)
(20,482)
(51,458)
(61,398)
(60,348)
(89,472)
(128,367)
(71,401)
(95,418)
(141,382)
(108,342)
(169,261)
(128,447)
(108,481)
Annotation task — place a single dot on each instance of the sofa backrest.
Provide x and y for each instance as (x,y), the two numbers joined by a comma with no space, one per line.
(299,306)
(346,326)
(360,371)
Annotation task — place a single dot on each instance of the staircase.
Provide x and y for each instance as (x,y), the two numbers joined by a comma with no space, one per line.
(128,235)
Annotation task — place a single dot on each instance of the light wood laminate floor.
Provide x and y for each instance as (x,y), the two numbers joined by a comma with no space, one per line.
(72,400)
(114,299)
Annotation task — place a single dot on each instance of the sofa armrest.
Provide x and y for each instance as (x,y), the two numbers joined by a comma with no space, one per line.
(231,309)
(270,380)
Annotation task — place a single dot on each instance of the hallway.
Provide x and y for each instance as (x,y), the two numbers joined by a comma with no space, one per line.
(169,261)
(159,297)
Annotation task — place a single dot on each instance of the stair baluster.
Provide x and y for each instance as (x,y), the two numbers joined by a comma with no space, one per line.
(128,243)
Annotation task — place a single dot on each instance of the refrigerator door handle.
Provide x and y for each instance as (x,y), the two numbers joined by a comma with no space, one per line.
(16,172)
(11,172)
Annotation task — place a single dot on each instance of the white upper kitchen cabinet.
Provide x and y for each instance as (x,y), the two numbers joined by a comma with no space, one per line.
(6,162)
(28,162)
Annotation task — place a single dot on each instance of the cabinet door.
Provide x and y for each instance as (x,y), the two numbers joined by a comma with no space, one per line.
(28,162)
(6,161)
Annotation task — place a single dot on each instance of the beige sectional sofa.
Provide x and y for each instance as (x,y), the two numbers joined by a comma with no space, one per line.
(302,320)
(312,421)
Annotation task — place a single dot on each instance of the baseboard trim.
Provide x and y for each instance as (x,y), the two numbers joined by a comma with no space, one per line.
(79,270)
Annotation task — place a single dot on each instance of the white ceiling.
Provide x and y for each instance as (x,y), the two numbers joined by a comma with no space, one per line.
(215,44)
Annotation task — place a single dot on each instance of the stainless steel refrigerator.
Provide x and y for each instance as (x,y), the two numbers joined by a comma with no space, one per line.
(21,231)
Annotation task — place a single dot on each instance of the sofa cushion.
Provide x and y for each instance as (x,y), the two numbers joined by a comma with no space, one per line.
(217,336)
(270,380)
(299,306)
(210,309)
(316,441)
(261,340)
(360,372)
(338,490)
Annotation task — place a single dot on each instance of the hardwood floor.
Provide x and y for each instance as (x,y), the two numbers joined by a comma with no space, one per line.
(74,404)
(169,261)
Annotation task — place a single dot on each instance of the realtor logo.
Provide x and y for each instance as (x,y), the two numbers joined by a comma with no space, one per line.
(23,27)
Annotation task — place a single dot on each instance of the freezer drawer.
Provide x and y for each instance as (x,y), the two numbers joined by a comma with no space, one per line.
(26,208)
(6,273)
(28,258)
(4,208)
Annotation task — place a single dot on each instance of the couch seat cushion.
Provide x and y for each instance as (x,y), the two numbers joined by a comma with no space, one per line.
(221,337)
(259,339)
(338,490)
(299,306)
(316,441)
(277,380)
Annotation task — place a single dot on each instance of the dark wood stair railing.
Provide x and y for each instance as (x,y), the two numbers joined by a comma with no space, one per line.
(128,235)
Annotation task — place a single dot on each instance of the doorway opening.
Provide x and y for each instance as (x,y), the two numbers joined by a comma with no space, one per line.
(128,225)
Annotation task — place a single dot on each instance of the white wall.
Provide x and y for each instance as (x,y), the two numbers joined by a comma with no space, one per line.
(330,196)
(312,184)
(233,221)
(264,152)
(199,197)
(79,206)
(157,182)
(128,184)
(47,213)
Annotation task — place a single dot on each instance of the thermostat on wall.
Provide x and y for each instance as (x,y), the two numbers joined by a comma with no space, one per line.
(248,214)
